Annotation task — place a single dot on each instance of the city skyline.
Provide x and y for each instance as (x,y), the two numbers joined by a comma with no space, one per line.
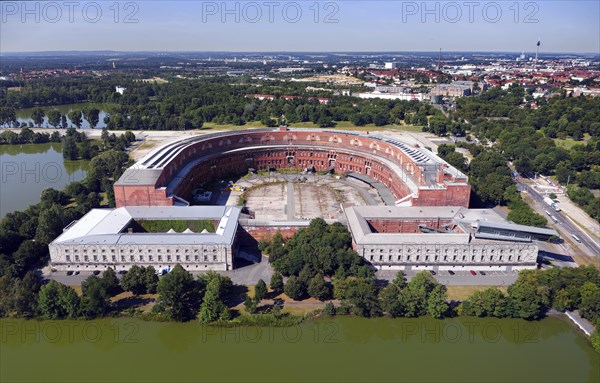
(343,26)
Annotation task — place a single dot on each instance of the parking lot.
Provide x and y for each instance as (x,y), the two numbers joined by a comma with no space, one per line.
(460,278)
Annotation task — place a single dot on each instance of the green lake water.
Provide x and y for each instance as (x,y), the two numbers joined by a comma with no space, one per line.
(26,170)
(343,349)
(24,115)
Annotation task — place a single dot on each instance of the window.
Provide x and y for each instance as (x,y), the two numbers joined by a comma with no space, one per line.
(187,258)
(150,258)
(114,258)
(205,258)
(196,258)
(160,258)
(77,258)
(103,258)
(131,259)
(168,257)
(214,258)
(85,258)
(95,258)
(68,258)
(178,257)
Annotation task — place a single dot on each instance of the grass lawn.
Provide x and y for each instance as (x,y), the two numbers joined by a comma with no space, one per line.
(568,143)
(460,293)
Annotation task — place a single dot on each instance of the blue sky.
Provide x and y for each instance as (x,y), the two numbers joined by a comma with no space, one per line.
(563,26)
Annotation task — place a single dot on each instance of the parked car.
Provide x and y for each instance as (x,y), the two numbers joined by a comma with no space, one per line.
(70,272)
(96,272)
(76,272)
(451,272)
(472,272)
(432,272)
(482,272)
(122,272)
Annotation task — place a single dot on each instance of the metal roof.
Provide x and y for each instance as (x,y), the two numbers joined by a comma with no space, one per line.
(105,226)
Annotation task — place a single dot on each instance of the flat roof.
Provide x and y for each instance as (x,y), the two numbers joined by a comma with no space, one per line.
(470,220)
(105,226)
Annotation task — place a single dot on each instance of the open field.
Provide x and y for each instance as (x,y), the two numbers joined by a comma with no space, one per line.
(267,201)
(315,201)
(568,143)
(459,293)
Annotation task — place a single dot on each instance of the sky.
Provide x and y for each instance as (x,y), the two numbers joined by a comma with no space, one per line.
(300,25)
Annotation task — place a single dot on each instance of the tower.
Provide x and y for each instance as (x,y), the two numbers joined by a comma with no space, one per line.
(537,49)
(439,66)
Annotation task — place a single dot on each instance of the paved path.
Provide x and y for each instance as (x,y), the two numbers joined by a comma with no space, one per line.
(291,201)
(586,326)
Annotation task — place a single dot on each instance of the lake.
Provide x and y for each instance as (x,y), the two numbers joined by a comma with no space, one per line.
(342,349)
(26,170)
(24,115)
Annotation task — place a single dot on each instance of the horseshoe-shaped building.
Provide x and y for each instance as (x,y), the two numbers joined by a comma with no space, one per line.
(167,175)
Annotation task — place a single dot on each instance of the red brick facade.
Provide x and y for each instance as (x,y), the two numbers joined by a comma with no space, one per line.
(238,151)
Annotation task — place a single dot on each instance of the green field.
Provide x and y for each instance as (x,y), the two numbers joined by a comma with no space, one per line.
(197,226)
(568,143)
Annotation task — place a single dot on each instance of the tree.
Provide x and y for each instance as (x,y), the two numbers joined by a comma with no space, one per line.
(277,283)
(151,279)
(76,118)
(134,280)
(213,308)
(37,115)
(26,295)
(361,293)
(92,115)
(595,339)
(94,300)
(110,281)
(590,301)
(436,302)
(49,301)
(179,295)
(525,301)
(50,224)
(317,288)
(30,255)
(54,118)
(69,149)
(389,298)
(294,288)
(70,301)
(260,290)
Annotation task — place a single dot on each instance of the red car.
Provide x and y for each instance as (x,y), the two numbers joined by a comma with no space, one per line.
(473,272)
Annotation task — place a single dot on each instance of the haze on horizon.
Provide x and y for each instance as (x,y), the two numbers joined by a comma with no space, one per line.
(300,26)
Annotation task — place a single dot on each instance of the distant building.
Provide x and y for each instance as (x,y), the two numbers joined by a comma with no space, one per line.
(390,65)
(442,238)
(112,238)
(393,96)
(120,89)
(454,89)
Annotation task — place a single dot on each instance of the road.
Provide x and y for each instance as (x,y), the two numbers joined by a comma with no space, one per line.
(564,225)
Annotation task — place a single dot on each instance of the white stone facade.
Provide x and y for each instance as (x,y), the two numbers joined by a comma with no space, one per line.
(123,256)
